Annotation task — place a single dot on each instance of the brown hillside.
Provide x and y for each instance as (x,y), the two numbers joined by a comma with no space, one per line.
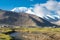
(22,19)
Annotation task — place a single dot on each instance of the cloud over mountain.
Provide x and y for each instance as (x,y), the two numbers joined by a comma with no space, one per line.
(49,9)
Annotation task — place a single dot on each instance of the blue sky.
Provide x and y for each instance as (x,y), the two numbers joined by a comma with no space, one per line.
(10,4)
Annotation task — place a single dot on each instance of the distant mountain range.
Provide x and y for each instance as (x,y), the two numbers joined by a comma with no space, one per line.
(23,19)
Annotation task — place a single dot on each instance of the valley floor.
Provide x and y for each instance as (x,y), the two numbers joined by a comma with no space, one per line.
(30,33)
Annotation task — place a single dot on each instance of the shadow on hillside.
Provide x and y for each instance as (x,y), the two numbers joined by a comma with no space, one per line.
(45,23)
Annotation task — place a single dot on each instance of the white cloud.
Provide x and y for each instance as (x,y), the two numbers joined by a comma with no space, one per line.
(51,5)
(49,8)
(39,10)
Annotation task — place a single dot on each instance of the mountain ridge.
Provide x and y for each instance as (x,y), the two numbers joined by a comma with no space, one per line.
(23,19)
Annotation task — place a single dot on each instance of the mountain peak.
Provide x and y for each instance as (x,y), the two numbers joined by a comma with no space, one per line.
(19,9)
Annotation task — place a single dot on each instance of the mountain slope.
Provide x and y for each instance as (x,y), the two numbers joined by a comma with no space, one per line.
(22,19)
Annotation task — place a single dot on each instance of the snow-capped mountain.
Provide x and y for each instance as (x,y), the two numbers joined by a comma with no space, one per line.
(48,16)
(52,18)
(23,9)
(20,9)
